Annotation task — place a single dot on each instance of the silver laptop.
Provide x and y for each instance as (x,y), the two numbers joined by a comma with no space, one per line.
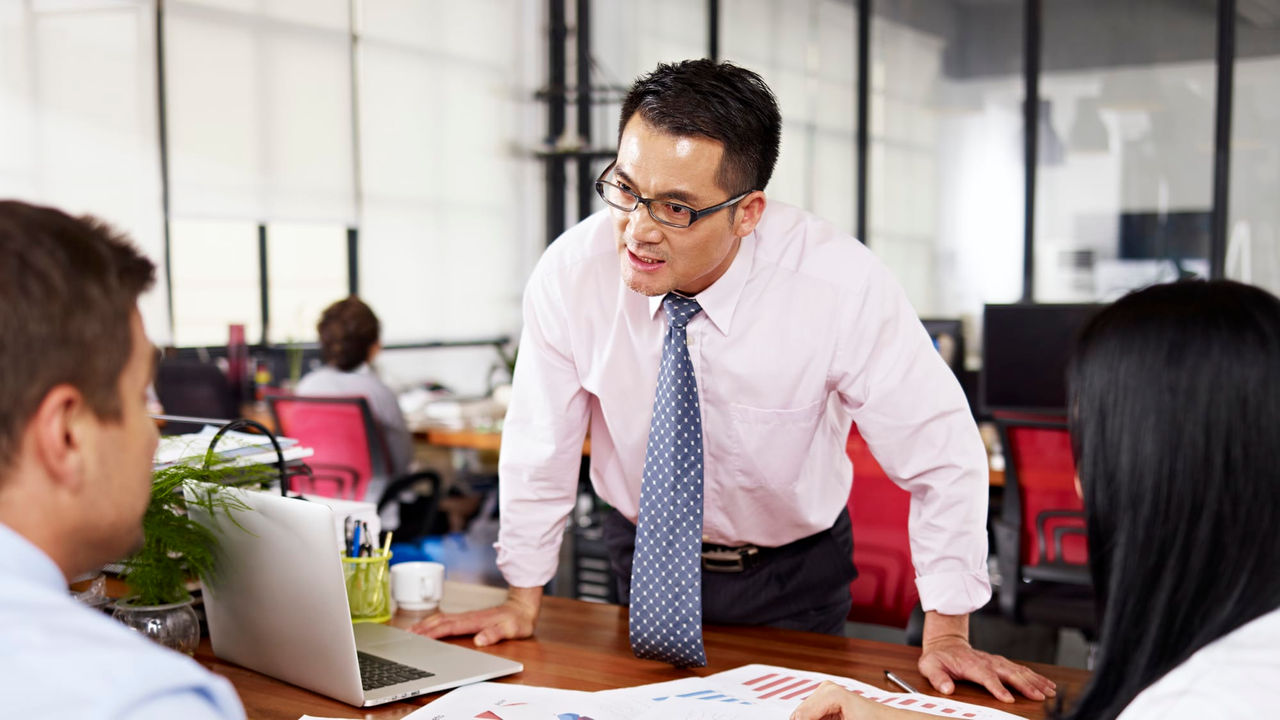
(278,605)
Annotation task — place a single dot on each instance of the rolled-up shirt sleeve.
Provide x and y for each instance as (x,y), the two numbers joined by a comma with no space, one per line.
(543,433)
(914,416)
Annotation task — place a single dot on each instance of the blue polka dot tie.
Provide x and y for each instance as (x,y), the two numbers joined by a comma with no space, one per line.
(666,571)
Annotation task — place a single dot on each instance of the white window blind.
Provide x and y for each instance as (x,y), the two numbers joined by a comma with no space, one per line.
(444,145)
(806,52)
(307,264)
(78,127)
(259,110)
(215,280)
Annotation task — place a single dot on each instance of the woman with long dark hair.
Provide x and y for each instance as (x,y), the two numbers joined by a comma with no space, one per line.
(1175,419)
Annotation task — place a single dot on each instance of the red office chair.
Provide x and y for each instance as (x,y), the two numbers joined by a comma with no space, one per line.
(884,592)
(1041,543)
(349,450)
(349,454)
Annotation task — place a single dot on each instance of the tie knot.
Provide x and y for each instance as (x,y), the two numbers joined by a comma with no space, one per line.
(680,309)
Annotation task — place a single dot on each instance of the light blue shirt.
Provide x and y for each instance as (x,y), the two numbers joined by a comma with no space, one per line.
(61,659)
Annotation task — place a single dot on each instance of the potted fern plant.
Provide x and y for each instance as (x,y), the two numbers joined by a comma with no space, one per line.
(176,550)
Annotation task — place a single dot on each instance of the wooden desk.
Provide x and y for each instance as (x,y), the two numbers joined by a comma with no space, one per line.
(469,439)
(584,646)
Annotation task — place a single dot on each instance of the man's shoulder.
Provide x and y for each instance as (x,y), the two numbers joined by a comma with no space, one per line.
(62,651)
(583,258)
(591,239)
(809,246)
(51,632)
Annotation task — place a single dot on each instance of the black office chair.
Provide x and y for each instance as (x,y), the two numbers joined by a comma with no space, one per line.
(193,389)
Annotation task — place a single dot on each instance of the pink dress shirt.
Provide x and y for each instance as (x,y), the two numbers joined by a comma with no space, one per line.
(804,333)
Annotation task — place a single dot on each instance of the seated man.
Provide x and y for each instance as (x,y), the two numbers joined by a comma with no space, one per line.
(76,447)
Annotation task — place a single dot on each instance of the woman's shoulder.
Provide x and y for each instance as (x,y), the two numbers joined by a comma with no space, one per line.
(1231,677)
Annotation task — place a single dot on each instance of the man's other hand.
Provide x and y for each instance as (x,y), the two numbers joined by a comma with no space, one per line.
(512,620)
(947,656)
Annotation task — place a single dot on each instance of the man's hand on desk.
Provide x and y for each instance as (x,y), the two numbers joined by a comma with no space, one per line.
(947,656)
(512,620)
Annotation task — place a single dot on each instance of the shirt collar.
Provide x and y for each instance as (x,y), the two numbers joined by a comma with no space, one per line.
(719,301)
(20,558)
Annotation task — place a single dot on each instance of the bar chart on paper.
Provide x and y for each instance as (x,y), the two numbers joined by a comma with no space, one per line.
(751,692)
(768,685)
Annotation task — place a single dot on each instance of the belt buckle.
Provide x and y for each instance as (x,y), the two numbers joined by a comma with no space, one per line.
(730,560)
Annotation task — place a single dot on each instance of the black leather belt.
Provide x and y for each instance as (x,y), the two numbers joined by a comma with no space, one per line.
(737,558)
(728,559)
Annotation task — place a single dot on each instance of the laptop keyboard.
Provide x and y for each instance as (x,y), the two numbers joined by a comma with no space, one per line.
(376,672)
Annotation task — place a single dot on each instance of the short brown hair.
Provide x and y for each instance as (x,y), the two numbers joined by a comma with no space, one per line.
(68,288)
(347,329)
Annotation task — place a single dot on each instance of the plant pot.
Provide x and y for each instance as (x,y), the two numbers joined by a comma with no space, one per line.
(174,625)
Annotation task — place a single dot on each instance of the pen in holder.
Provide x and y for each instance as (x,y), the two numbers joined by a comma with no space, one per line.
(368,586)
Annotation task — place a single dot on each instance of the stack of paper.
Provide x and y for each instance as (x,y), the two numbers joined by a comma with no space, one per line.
(751,692)
(238,447)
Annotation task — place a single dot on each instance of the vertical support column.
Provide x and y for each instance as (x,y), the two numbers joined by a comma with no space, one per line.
(586,192)
(1030,138)
(353,261)
(555,180)
(162,125)
(263,286)
(713,30)
(862,142)
(1222,138)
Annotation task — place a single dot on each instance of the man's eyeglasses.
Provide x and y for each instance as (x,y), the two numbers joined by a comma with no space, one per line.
(671,214)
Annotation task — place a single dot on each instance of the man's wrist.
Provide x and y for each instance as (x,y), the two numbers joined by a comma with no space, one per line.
(942,628)
(527,600)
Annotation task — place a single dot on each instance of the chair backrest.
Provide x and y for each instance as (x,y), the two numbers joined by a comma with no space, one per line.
(1040,491)
(348,446)
(885,590)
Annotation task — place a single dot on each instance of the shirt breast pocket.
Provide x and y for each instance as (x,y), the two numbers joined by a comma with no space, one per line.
(770,446)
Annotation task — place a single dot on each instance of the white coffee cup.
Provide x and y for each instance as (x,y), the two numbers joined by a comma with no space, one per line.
(417,585)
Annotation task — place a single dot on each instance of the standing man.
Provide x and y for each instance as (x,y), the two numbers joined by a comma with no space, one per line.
(718,347)
(76,446)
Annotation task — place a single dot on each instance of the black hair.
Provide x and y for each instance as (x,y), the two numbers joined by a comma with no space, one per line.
(1175,422)
(721,101)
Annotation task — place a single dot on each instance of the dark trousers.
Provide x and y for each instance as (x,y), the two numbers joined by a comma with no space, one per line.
(800,586)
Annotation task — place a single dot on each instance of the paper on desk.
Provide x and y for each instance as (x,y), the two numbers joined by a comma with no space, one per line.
(176,448)
(485,700)
(751,692)
(779,690)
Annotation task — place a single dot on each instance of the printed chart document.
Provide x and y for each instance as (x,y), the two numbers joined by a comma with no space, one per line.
(237,447)
(751,692)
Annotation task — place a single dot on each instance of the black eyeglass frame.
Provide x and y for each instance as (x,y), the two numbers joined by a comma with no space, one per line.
(694,215)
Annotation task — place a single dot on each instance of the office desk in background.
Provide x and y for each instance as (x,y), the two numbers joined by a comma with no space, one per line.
(492,441)
(462,439)
(584,646)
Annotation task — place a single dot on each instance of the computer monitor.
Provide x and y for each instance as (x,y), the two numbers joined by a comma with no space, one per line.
(1177,235)
(1025,349)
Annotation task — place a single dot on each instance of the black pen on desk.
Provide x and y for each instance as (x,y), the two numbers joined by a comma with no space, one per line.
(906,687)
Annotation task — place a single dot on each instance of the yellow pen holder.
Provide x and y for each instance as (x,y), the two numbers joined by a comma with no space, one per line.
(368,586)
